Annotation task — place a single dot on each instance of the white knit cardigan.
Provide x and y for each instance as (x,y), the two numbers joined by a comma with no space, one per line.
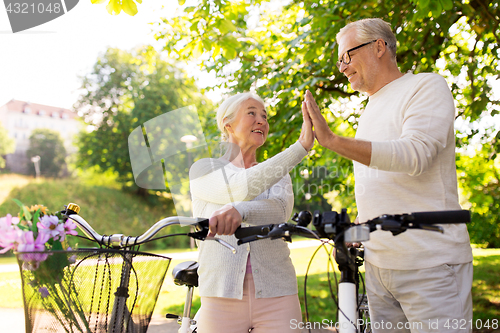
(262,194)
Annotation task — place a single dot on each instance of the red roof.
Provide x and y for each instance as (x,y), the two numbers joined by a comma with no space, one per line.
(39,109)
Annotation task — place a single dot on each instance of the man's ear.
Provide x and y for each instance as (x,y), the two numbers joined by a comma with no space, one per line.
(381,48)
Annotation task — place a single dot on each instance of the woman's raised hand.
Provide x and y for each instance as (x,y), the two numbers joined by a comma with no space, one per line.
(322,131)
(306,137)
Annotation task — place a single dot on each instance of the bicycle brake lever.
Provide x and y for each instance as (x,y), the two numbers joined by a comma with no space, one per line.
(432,228)
(201,234)
(223,243)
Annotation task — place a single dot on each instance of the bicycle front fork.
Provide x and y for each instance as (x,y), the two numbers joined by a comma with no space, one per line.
(348,314)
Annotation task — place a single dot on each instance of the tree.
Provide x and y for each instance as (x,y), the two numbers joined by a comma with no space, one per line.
(479,178)
(7,145)
(124,91)
(47,144)
(114,7)
(282,50)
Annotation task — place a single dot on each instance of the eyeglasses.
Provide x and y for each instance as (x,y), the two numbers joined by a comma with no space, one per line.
(346,57)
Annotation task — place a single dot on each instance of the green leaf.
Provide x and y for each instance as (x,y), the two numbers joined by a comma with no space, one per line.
(226,26)
(181,2)
(229,53)
(114,7)
(24,210)
(129,7)
(57,246)
(216,51)
(424,3)
(207,44)
(34,226)
(19,203)
(435,7)
(447,4)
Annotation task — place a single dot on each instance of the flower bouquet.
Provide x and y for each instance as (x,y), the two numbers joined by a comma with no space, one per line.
(85,290)
(39,240)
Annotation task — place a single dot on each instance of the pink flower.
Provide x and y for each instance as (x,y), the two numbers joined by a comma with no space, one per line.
(8,233)
(69,228)
(27,243)
(49,224)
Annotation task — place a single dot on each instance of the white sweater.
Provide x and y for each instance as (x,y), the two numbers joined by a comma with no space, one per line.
(412,169)
(262,194)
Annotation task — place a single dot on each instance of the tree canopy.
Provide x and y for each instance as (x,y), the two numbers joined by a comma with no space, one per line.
(49,145)
(280,49)
(124,91)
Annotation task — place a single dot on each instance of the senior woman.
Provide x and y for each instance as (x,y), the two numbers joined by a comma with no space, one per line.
(256,288)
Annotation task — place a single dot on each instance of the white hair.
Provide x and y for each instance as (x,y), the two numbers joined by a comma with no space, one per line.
(229,108)
(370,29)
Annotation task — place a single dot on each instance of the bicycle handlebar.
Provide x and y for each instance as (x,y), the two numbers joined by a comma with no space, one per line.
(332,224)
(122,241)
(441,217)
(260,230)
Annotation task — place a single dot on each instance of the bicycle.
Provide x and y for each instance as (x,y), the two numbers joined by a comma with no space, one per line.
(86,296)
(352,305)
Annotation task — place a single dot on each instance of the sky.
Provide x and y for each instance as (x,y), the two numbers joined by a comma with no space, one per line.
(42,64)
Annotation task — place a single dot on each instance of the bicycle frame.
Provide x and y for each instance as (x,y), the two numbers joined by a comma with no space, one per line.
(348,289)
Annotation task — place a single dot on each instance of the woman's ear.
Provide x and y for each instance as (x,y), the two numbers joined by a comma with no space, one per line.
(228,128)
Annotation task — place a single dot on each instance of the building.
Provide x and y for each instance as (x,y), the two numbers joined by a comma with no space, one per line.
(21,118)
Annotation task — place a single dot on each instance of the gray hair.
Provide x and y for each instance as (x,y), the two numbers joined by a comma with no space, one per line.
(229,109)
(370,29)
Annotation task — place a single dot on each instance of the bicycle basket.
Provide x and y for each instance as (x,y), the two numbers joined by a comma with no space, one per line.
(90,290)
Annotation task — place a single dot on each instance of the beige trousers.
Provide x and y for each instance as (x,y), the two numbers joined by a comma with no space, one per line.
(436,299)
(257,315)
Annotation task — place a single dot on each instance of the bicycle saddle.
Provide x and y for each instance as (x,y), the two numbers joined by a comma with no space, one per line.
(186,274)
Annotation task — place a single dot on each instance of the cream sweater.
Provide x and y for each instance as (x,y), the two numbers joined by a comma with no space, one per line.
(412,169)
(262,194)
